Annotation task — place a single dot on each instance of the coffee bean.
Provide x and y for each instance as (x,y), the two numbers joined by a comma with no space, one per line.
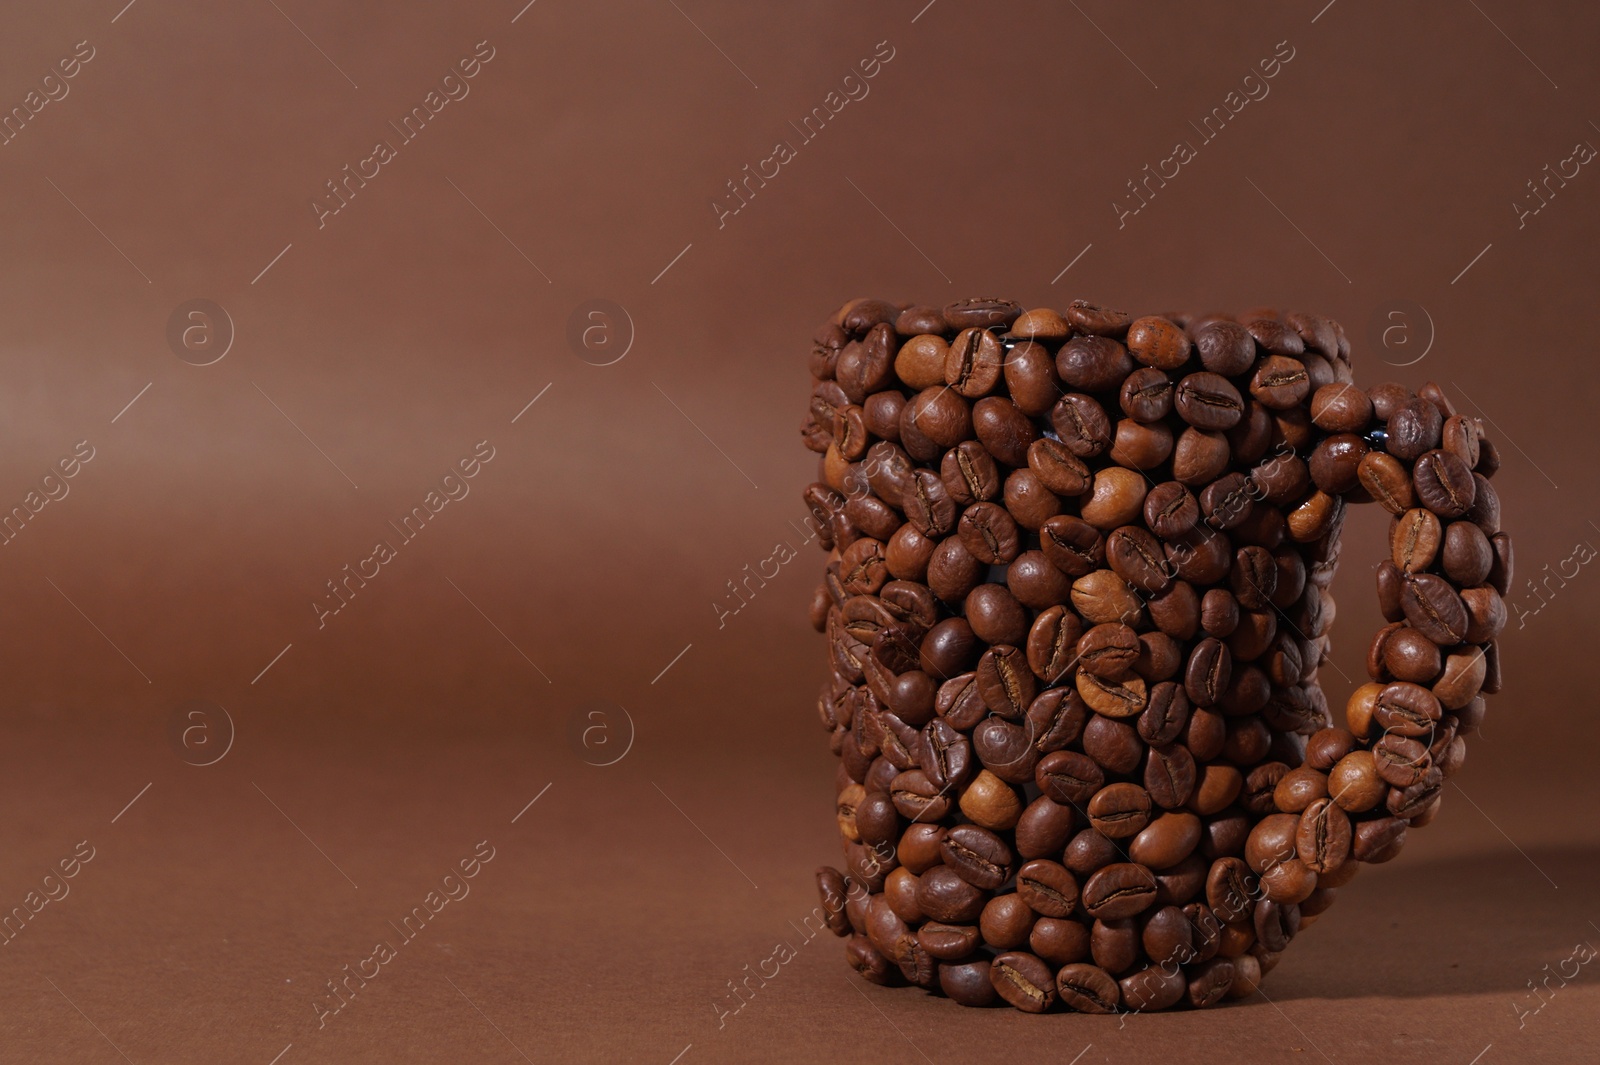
(1059,941)
(1323,838)
(1275,924)
(1412,429)
(1116,498)
(1207,400)
(1155,988)
(1087,989)
(1005,682)
(1081,424)
(979,856)
(1410,656)
(1400,761)
(1121,889)
(1006,922)
(969,473)
(1169,776)
(1467,555)
(1406,709)
(1170,510)
(1030,373)
(1114,744)
(1200,456)
(1048,888)
(1029,500)
(985,312)
(989,533)
(1139,446)
(1003,429)
(1114,698)
(972,367)
(1336,461)
(1024,981)
(1208,672)
(1433,608)
(1044,828)
(920,362)
(1006,750)
(1340,408)
(991,803)
(1444,484)
(928,505)
(1165,714)
(1378,840)
(1087,317)
(1072,545)
(918,798)
(1387,481)
(1230,889)
(945,755)
(1280,382)
(1120,810)
(1093,363)
(1068,777)
(1158,343)
(1225,348)
(952,571)
(1108,650)
(1137,557)
(868,367)
(1036,582)
(1055,464)
(1146,395)
(948,942)
(1052,643)
(1166,841)
(867,962)
(1414,540)
(1102,596)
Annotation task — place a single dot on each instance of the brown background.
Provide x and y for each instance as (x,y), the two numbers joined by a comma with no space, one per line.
(592,548)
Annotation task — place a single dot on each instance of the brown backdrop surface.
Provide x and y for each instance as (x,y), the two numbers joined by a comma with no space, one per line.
(354,763)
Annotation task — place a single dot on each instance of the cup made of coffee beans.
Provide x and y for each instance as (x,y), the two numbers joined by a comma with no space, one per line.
(1075,601)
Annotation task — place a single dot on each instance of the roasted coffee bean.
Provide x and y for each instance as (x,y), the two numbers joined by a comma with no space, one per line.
(1400,760)
(1052,643)
(1201,558)
(1087,317)
(995,615)
(1059,941)
(1120,810)
(1340,408)
(969,473)
(1176,612)
(1280,382)
(1005,682)
(1087,989)
(867,962)
(1029,500)
(1230,889)
(1108,650)
(1036,582)
(918,319)
(1414,540)
(918,798)
(1485,509)
(1168,937)
(1114,698)
(832,887)
(1465,674)
(1139,446)
(920,362)
(1146,395)
(1208,400)
(1417,800)
(1157,343)
(1444,484)
(1044,828)
(979,856)
(1406,709)
(1378,840)
(907,553)
(944,896)
(1336,460)
(1275,924)
(1460,436)
(1121,889)
(1387,481)
(1003,429)
(1088,851)
(1216,787)
(1408,655)
(991,803)
(1006,922)
(918,850)
(928,505)
(1031,379)
(1063,472)
(1068,777)
(1208,672)
(867,367)
(1055,719)
(1102,596)
(1116,498)
(1048,888)
(984,312)
(1114,744)
(1166,841)
(1024,981)
(1154,988)
(1199,457)
(1433,608)
(1412,429)
(1005,749)
(952,571)
(1169,776)
(1072,545)
(949,648)
(1467,555)
(972,367)
(1137,557)
(945,755)
(1170,510)
(1225,348)
(1500,573)
(1322,841)
(989,533)
(1093,363)
(940,415)
(1081,424)
(1272,333)
(948,942)
(1165,714)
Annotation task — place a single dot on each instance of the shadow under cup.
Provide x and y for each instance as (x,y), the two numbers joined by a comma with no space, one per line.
(1075,601)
